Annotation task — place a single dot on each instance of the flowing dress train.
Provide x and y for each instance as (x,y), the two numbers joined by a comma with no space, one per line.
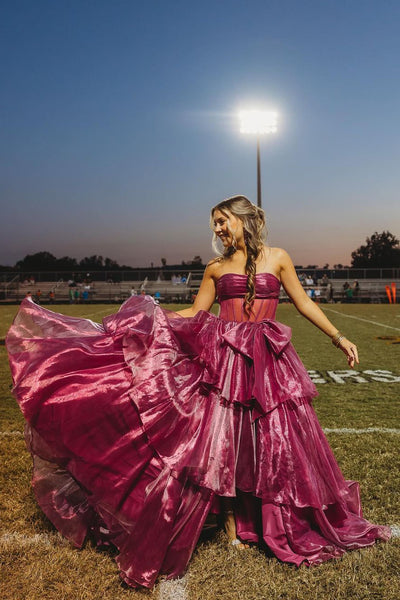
(137,425)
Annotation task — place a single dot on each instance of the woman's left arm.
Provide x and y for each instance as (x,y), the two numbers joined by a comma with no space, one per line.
(310,309)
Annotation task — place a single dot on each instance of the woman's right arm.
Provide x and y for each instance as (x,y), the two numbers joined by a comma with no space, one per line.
(206,295)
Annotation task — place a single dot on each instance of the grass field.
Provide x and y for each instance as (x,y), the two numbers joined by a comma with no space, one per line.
(36,563)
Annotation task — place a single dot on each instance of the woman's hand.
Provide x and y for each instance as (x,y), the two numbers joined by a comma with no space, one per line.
(350,351)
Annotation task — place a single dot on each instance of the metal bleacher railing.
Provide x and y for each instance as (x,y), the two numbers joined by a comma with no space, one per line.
(178,286)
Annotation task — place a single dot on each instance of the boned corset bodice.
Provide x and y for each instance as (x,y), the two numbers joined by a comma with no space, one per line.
(231,290)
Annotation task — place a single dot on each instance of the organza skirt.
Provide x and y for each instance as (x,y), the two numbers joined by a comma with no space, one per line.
(137,427)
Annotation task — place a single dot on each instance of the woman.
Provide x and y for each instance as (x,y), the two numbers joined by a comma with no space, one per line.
(141,426)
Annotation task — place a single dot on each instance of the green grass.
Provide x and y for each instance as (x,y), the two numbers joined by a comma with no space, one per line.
(46,566)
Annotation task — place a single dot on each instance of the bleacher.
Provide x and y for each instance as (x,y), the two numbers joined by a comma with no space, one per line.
(13,288)
(99,291)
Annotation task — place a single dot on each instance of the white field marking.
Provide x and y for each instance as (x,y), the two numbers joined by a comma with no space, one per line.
(395,529)
(346,430)
(361,319)
(325,429)
(38,539)
(173,589)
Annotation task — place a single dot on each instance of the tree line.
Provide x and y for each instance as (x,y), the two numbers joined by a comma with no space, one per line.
(381,250)
(45,261)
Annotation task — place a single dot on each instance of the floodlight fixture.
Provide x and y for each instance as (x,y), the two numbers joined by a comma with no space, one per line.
(258,122)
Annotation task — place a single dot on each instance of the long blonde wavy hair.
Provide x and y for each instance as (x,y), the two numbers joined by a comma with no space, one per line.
(253,221)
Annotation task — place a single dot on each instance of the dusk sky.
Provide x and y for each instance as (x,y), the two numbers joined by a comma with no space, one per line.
(119,124)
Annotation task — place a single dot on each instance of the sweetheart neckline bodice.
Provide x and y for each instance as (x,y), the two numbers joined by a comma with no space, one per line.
(245,275)
(231,291)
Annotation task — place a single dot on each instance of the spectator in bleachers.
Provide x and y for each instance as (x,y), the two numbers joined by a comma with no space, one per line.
(348,294)
(38,296)
(324,280)
(311,293)
(71,295)
(356,290)
(133,291)
(345,287)
(309,280)
(329,293)
(143,286)
(51,297)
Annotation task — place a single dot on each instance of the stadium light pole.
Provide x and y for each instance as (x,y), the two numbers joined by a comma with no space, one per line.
(258,122)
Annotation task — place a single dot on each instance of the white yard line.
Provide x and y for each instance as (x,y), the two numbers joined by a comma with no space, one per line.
(173,589)
(37,539)
(344,430)
(361,431)
(361,319)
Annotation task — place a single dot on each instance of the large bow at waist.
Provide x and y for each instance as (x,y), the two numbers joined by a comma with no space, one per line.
(263,343)
(251,340)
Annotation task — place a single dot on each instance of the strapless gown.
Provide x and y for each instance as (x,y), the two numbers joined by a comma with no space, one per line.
(138,425)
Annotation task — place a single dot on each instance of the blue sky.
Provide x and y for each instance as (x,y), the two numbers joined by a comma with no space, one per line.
(119,128)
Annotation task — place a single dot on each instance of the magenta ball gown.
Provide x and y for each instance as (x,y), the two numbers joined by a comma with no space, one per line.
(138,425)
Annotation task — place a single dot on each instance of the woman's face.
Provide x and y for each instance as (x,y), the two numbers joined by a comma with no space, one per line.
(220,226)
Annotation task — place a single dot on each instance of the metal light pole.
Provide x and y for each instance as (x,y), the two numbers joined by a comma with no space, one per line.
(258,122)
(258,174)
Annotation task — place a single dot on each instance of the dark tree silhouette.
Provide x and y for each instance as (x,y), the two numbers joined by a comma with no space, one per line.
(94,263)
(110,264)
(45,261)
(66,263)
(41,261)
(381,250)
(197,260)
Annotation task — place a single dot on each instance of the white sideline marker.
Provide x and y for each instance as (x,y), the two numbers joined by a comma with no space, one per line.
(361,431)
(361,319)
(349,430)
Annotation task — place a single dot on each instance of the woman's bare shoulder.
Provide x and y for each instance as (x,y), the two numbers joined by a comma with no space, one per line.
(274,258)
(214,267)
(280,255)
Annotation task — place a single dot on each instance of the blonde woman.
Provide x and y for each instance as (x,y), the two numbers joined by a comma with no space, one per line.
(140,426)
